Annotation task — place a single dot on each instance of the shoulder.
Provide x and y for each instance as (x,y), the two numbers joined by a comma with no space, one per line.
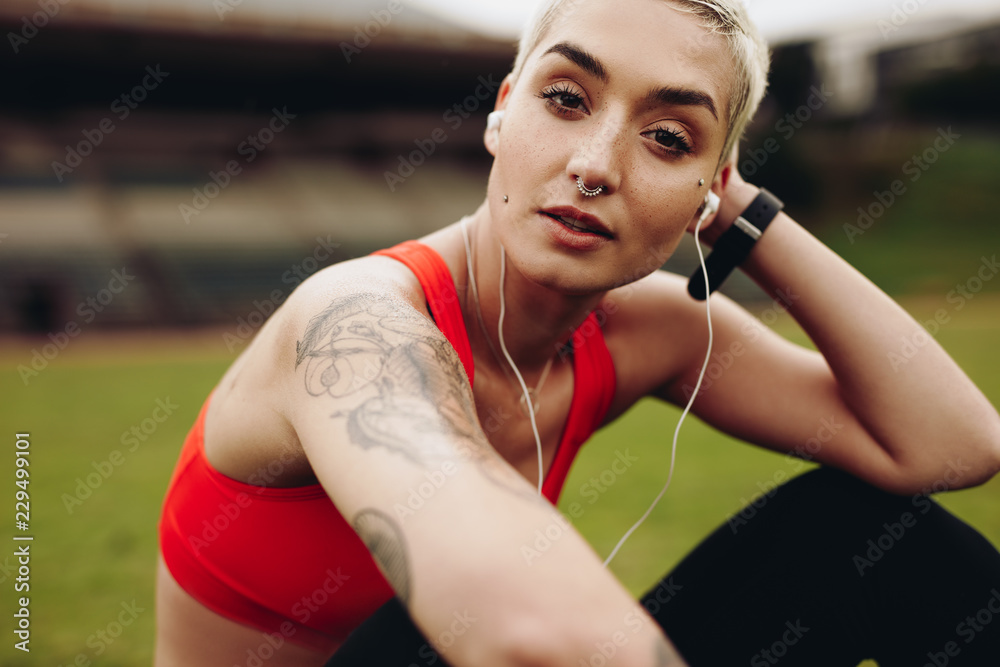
(659,295)
(655,331)
(658,307)
(324,338)
(336,293)
(372,275)
(652,309)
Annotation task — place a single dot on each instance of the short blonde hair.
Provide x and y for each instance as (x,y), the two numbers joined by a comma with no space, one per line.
(724,17)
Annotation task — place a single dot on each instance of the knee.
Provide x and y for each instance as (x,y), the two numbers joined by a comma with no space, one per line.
(841,503)
(830,497)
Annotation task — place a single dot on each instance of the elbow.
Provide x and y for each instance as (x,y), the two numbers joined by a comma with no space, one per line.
(983,462)
(979,461)
(506,640)
(994,461)
(970,458)
(531,642)
(537,642)
(960,471)
(993,445)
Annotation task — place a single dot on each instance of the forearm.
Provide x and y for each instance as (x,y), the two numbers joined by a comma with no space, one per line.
(519,576)
(490,572)
(368,644)
(386,417)
(920,408)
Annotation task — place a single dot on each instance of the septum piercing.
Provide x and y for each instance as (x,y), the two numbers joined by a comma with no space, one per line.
(587,192)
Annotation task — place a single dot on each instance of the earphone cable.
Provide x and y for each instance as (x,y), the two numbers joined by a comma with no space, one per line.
(517,373)
(697,388)
(524,387)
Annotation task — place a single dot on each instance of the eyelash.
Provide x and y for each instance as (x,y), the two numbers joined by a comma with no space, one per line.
(557,90)
(550,95)
(682,145)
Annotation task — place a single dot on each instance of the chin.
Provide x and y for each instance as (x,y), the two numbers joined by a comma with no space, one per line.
(578,277)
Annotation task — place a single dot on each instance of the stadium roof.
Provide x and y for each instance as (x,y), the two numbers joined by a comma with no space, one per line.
(500,21)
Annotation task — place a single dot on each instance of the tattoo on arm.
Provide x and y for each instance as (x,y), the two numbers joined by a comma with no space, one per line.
(385,542)
(398,383)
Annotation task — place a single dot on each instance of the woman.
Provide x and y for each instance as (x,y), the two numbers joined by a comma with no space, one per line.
(392,373)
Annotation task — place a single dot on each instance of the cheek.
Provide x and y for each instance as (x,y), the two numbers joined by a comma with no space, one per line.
(533,147)
(662,210)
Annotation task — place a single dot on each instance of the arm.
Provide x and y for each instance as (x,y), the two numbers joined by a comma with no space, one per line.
(379,401)
(901,426)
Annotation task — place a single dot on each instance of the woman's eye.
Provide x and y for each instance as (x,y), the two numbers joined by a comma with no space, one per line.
(563,100)
(671,140)
(567,100)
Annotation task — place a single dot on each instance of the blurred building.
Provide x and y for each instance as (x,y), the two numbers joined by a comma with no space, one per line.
(215,152)
(213,147)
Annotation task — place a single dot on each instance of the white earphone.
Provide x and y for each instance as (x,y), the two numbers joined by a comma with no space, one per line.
(494,119)
(710,206)
(712,202)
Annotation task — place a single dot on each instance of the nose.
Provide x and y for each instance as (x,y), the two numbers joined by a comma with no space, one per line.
(597,159)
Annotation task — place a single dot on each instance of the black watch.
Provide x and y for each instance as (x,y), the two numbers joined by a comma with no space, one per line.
(735,243)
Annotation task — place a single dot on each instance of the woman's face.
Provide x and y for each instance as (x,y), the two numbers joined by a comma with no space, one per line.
(629,94)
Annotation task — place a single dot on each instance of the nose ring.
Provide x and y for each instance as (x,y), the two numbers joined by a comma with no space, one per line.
(588,192)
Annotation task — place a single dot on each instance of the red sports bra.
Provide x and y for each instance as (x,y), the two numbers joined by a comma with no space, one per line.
(283,560)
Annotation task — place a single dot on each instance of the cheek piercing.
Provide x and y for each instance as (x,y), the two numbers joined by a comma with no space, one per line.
(701,182)
(505,199)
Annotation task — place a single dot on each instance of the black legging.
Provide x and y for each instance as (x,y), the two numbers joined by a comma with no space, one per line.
(829,571)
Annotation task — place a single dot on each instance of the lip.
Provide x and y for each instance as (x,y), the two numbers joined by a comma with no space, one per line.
(570,239)
(585,219)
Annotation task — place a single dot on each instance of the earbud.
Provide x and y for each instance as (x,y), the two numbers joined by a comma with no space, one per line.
(708,206)
(712,202)
(494,119)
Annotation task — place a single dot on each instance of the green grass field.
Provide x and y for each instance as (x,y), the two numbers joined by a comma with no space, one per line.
(96,553)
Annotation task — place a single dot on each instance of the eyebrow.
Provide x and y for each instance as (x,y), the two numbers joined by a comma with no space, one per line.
(667,95)
(581,58)
(681,97)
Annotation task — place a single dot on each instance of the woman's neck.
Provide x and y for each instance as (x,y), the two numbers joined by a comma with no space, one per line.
(537,321)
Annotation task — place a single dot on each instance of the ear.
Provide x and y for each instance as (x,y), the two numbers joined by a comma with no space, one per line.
(725,174)
(491,138)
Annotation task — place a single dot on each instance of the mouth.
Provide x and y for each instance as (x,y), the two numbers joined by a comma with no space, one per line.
(578,221)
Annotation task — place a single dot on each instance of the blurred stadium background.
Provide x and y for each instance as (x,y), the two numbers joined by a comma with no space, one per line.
(365,99)
(213,153)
